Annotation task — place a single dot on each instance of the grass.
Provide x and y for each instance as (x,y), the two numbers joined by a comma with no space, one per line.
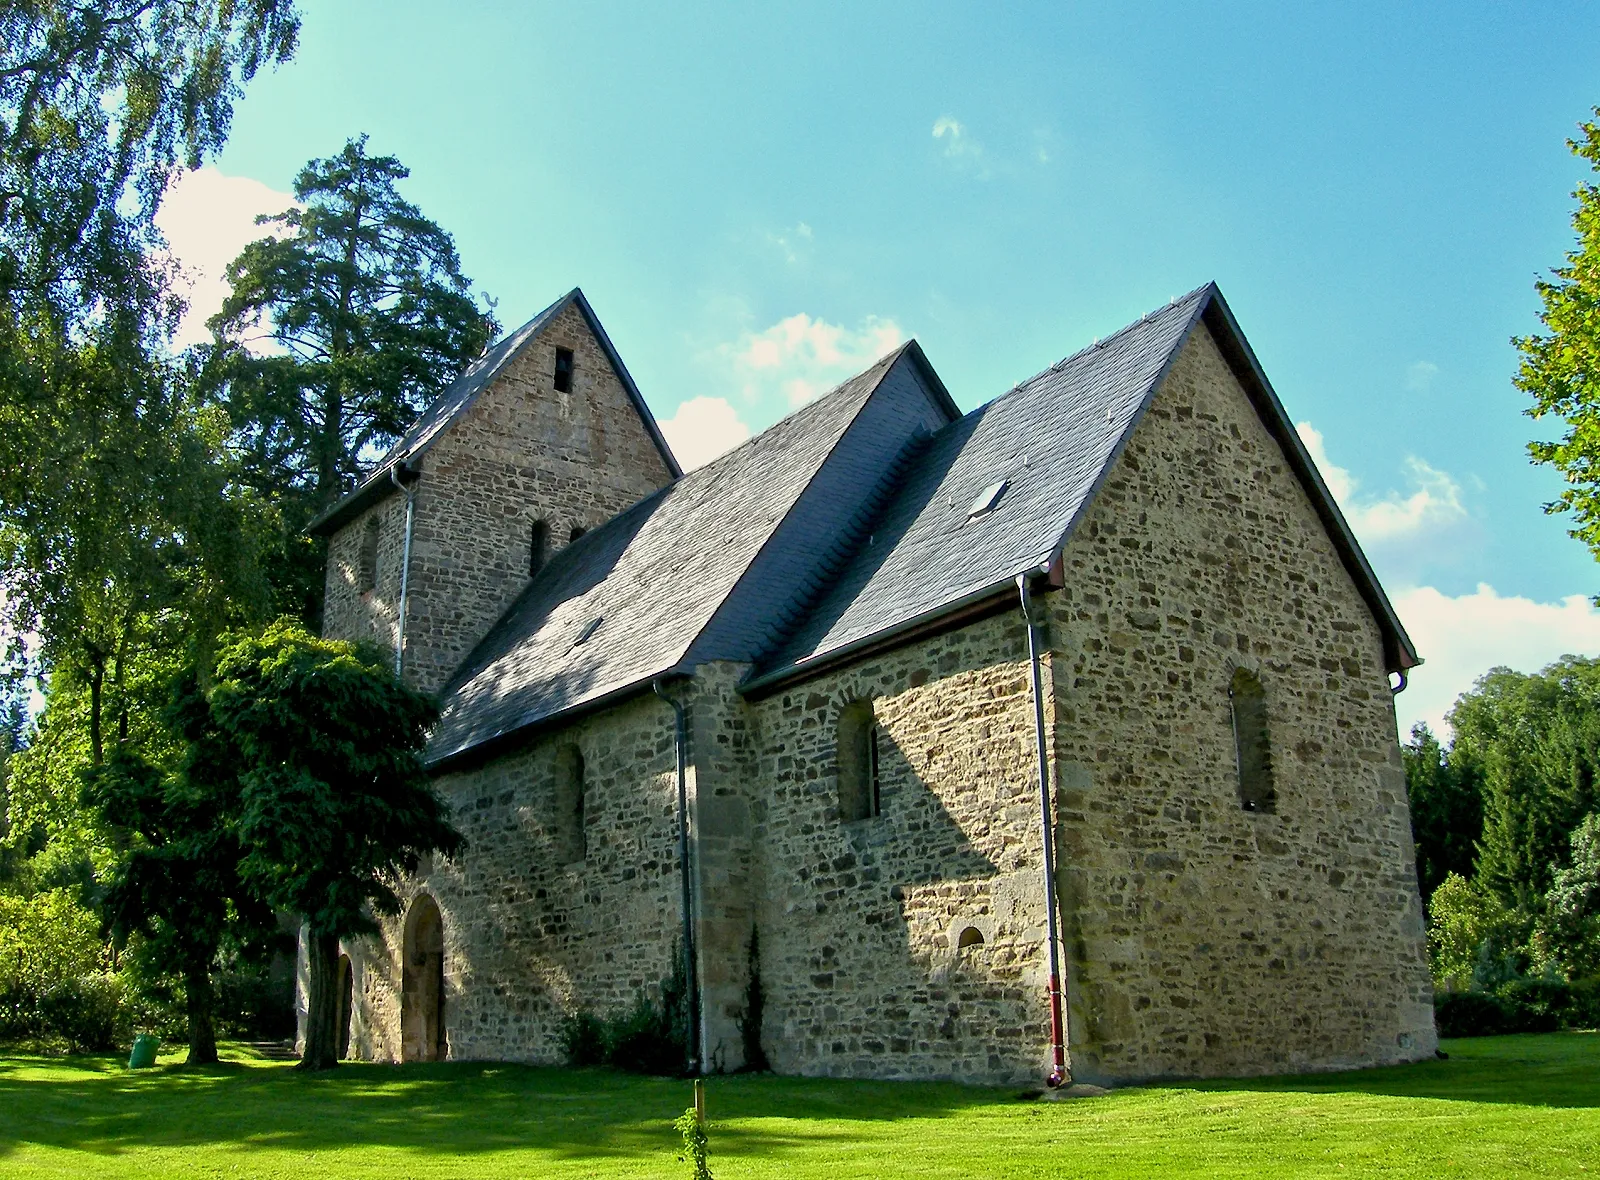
(1506,1106)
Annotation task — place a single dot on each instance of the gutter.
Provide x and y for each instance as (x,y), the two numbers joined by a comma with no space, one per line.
(686,901)
(1035,624)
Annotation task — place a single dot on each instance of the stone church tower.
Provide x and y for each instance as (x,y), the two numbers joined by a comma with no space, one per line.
(544,437)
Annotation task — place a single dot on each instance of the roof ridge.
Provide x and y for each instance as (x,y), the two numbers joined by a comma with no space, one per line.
(1100,342)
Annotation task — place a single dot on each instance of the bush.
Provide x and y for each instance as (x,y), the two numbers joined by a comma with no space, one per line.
(90,1014)
(651,1038)
(1520,1006)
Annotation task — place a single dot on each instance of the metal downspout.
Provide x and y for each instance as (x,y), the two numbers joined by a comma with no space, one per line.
(691,984)
(1058,1071)
(405,566)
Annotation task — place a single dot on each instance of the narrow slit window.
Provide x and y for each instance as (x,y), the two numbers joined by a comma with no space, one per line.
(538,546)
(368,572)
(563,370)
(859,793)
(571,843)
(1251,744)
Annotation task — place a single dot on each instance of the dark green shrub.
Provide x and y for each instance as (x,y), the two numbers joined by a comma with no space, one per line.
(1468,1014)
(583,1039)
(651,1038)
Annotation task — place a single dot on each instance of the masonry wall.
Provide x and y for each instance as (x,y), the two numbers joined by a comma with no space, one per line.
(523,452)
(860,922)
(529,940)
(1205,939)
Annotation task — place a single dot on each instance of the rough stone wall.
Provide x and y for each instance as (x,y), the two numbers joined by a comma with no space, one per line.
(1205,939)
(860,922)
(350,612)
(529,940)
(523,452)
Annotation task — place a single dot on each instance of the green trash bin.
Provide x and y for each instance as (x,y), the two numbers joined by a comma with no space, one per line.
(144,1051)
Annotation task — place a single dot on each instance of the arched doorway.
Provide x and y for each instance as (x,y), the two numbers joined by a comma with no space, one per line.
(347,995)
(422,984)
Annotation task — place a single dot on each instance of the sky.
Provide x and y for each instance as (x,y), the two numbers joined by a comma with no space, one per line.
(760,200)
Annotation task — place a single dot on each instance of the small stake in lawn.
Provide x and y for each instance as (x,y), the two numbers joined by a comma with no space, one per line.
(691,1124)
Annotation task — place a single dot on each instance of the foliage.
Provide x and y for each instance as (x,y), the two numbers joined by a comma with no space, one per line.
(1533,743)
(693,1129)
(1446,811)
(55,985)
(1519,1006)
(365,299)
(652,1037)
(99,102)
(755,1002)
(1503,1106)
(1561,369)
(1570,926)
(178,887)
(1471,934)
(324,747)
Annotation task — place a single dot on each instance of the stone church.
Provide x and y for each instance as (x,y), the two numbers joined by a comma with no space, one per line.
(850,686)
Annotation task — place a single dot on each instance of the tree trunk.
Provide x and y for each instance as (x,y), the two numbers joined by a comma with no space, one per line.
(202,1015)
(322,1003)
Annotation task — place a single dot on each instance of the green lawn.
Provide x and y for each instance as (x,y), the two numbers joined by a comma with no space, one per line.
(1507,1106)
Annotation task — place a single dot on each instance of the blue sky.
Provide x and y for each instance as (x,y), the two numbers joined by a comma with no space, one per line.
(759,200)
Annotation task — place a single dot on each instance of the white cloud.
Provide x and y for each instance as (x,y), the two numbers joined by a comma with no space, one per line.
(207,219)
(960,148)
(1420,375)
(792,241)
(1434,501)
(1462,637)
(702,429)
(800,358)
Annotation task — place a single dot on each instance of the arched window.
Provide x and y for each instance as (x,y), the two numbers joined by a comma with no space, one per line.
(1252,750)
(538,546)
(570,844)
(858,762)
(577,531)
(369,555)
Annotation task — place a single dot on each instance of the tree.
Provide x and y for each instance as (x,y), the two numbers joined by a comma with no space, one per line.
(1571,926)
(1446,811)
(372,318)
(1533,742)
(335,801)
(1561,369)
(179,886)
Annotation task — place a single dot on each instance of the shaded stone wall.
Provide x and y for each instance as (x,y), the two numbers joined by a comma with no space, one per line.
(1206,939)
(860,922)
(529,940)
(523,452)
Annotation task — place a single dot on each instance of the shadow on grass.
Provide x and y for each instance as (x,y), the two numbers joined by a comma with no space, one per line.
(472,1108)
(95,1105)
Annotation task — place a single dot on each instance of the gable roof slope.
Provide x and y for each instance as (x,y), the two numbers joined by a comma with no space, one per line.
(1049,443)
(451,405)
(653,576)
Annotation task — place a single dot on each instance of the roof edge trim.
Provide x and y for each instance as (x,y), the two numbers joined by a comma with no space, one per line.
(639,403)
(1399,652)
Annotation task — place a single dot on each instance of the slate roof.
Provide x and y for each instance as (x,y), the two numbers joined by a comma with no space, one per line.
(811,543)
(654,576)
(1052,440)
(458,399)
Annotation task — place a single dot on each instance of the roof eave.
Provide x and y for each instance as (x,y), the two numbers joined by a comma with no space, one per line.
(372,492)
(989,599)
(483,749)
